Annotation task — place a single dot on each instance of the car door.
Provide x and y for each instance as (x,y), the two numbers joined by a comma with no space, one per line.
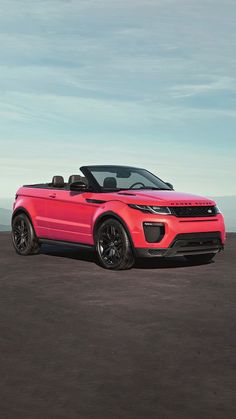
(70,216)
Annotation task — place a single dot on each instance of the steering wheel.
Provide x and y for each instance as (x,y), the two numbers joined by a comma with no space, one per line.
(137,183)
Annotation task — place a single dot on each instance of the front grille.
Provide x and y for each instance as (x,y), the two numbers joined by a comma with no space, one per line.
(198,211)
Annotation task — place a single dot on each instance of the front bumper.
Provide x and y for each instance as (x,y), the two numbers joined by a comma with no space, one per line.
(172,226)
(186,244)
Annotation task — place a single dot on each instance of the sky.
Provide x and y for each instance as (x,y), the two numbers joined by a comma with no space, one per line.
(148,83)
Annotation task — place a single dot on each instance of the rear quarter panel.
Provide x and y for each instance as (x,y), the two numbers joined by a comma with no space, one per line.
(33,201)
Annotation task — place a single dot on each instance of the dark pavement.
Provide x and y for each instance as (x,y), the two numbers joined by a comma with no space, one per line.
(78,342)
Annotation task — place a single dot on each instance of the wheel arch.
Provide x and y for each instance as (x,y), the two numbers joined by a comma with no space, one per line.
(105,216)
(22,210)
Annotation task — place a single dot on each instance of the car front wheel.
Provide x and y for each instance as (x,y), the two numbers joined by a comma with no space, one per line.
(113,246)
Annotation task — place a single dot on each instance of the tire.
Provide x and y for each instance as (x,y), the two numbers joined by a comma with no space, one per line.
(200,259)
(23,236)
(113,246)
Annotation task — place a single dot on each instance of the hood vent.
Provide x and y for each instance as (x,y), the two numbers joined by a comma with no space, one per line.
(126,193)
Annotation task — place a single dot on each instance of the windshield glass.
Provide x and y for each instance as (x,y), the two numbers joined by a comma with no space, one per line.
(124,178)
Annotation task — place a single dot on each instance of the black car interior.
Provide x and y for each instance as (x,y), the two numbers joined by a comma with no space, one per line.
(110,183)
(76,178)
(59,183)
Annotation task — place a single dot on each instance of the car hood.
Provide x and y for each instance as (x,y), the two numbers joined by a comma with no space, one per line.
(149,197)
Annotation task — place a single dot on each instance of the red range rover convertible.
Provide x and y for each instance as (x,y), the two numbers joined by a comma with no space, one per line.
(122,212)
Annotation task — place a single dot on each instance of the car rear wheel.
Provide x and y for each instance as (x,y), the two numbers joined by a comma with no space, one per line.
(113,246)
(200,259)
(23,236)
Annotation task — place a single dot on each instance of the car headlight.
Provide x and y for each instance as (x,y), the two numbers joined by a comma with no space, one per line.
(151,209)
(217,210)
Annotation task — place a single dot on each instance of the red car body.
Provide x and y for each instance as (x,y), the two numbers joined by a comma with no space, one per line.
(69,217)
(63,215)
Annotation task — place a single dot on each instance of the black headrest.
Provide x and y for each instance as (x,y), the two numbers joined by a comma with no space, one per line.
(75,178)
(58,181)
(110,183)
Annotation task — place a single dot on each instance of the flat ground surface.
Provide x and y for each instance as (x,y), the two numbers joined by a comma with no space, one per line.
(77,341)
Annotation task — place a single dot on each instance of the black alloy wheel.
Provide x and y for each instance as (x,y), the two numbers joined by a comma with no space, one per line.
(23,236)
(113,246)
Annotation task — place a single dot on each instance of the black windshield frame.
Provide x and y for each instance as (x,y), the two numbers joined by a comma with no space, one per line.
(96,187)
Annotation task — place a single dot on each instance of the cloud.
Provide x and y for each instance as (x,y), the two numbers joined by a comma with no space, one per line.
(217,84)
(128,76)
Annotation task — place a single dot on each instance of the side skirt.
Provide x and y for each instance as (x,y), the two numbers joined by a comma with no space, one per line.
(51,242)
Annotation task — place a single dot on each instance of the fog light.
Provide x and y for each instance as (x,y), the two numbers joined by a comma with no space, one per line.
(154,232)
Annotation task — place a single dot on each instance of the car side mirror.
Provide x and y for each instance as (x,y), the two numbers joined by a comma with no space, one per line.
(170,185)
(78,186)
